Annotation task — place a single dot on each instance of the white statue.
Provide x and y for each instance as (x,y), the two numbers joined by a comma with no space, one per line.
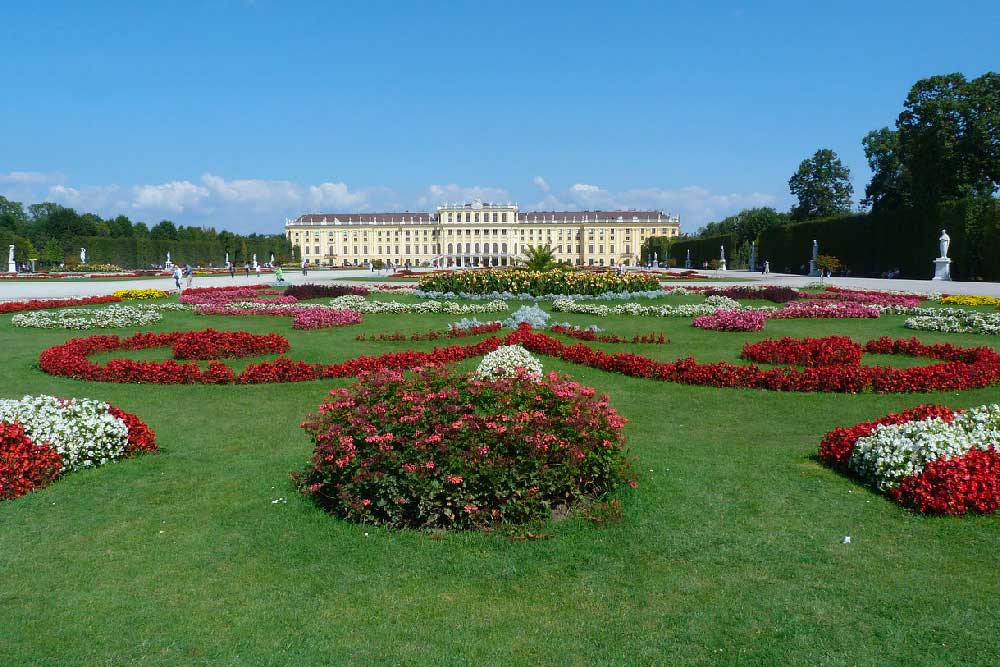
(227,260)
(722,252)
(272,259)
(943,242)
(255,260)
(83,255)
(11,264)
(169,263)
(815,248)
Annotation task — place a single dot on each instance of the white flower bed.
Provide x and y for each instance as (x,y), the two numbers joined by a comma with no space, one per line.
(522,296)
(361,305)
(896,451)
(955,320)
(80,429)
(712,304)
(506,361)
(95,318)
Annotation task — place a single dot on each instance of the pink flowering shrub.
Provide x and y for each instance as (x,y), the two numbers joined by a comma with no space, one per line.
(731,320)
(323,318)
(435,449)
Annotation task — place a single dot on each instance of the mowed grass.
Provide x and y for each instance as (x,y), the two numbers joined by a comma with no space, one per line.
(729,552)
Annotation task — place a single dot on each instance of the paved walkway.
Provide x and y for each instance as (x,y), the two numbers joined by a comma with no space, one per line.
(15,290)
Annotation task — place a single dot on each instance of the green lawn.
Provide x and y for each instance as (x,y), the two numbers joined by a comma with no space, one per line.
(729,552)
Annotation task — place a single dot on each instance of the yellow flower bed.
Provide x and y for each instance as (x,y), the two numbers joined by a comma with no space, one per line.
(140,294)
(963,300)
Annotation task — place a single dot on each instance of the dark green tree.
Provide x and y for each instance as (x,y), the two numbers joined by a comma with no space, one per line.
(888,187)
(822,185)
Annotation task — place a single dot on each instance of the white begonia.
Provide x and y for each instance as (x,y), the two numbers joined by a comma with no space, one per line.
(82,430)
(711,304)
(96,318)
(506,361)
(955,320)
(895,451)
(362,305)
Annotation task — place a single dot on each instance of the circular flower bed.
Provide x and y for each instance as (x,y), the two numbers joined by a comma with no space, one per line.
(42,437)
(437,450)
(538,282)
(212,344)
(930,458)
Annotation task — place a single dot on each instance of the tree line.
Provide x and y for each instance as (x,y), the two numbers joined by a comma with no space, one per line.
(54,234)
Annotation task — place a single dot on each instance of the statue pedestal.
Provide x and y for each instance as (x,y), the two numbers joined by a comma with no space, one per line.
(942,269)
(722,265)
(813,271)
(11,267)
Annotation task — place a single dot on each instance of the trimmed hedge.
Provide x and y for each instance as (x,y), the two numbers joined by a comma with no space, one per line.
(904,239)
(705,250)
(141,252)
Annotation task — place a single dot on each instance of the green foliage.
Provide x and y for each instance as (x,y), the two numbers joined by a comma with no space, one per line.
(905,239)
(822,185)
(704,249)
(888,188)
(539,258)
(747,224)
(827,263)
(660,245)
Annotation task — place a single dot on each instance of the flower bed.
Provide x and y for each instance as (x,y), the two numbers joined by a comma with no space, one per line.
(140,294)
(711,304)
(42,304)
(452,332)
(212,344)
(509,361)
(312,291)
(929,458)
(970,300)
(731,320)
(110,317)
(538,282)
(324,318)
(808,352)
(459,453)
(825,310)
(963,368)
(42,437)
(867,297)
(955,320)
(361,305)
(766,293)
(594,336)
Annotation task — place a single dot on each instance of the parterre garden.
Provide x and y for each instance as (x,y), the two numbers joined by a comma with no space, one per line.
(612,473)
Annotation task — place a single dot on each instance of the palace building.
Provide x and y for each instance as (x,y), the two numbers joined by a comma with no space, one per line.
(476,234)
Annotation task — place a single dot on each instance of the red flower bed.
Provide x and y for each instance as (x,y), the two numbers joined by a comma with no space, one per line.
(313,291)
(583,334)
(958,485)
(42,304)
(808,352)
(141,438)
(212,344)
(24,465)
(964,368)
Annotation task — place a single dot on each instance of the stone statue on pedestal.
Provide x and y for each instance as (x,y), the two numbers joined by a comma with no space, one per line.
(942,265)
(813,269)
(11,264)
(255,261)
(83,255)
(722,258)
(687,260)
(169,264)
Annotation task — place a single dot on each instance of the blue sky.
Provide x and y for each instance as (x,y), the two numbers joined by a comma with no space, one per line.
(238,114)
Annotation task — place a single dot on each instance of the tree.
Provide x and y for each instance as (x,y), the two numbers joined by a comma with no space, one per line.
(52,252)
(660,245)
(949,137)
(888,187)
(539,258)
(164,229)
(822,185)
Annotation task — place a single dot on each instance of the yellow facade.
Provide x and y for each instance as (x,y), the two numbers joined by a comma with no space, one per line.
(476,234)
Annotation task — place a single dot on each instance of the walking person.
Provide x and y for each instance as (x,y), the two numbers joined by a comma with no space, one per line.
(177,277)
(305,267)
(258,270)
(232,270)
(767,267)
(279,275)
(189,274)
(246,268)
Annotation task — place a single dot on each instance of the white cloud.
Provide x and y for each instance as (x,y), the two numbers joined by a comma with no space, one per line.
(542,184)
(439,194)
(336,195)
(88,197)
(29,178)
(175,196)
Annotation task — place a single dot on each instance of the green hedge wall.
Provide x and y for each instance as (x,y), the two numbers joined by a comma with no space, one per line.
(907,239)
(704,250)
(142,252)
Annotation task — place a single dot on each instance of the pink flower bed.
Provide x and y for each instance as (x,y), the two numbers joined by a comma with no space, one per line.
(731,320)
(825,310)
(322,318)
